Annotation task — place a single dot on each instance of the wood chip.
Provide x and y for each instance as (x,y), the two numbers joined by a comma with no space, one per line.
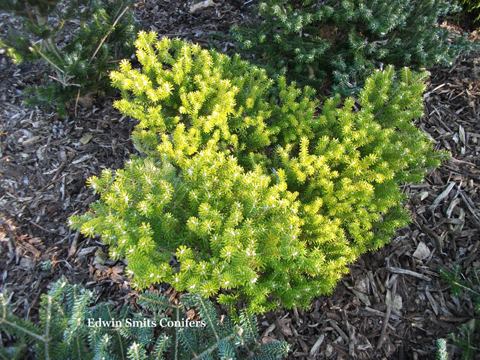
(471,208)
(461,134)
(363,298)
(87,251)
(442,196)
(438,238)
(391,296)
(337,328)
(396,270)
(432,302)
(316,346)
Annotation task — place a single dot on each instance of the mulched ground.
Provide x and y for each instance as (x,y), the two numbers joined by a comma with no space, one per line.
(44,162)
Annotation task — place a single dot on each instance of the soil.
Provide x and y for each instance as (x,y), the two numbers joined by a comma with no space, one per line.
(45,161)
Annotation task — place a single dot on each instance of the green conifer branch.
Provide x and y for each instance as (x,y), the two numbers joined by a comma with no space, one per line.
(23,329)
(214,346)
(160,347)
(345,42)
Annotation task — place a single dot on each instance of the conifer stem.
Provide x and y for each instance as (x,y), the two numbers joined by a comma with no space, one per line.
(177,313)
(28,332)
(29,13)
(76,102)
(53,48)
(47,327)
(212,324)
(465,288)
(41,20)
(49,61)
(79,349)
(213,347)
(118,334)
(60,25)
(105,37)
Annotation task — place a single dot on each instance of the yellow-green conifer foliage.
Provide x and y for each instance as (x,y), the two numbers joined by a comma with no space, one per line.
(244,191)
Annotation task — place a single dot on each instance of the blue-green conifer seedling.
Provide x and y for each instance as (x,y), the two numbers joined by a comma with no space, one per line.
(71,328)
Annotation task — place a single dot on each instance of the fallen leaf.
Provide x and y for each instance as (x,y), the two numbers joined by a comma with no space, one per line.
(422,251)
(86,101)
(190,314)
(202,5)
(423,195)
(86,138)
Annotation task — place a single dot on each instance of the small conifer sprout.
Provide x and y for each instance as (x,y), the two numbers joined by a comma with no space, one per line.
(243,186)
(80,54)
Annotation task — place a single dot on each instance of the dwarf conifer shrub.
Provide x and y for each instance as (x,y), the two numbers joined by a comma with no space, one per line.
(79,40)
(344,41)
(244,191)
(71,328)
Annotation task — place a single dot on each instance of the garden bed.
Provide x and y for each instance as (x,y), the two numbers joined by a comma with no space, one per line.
(45,160)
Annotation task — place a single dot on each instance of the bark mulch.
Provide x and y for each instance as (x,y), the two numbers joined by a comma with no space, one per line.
(392,305)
